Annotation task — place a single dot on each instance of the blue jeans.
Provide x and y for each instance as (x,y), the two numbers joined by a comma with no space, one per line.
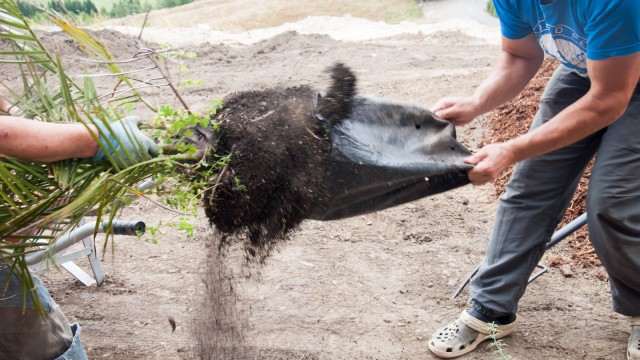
(540,190)
(26,334)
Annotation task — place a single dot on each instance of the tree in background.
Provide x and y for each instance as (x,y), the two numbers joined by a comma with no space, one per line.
(146,6)
(172,3)
(72,6)
(26,8)
(118,9)
(89,7)
(491,8)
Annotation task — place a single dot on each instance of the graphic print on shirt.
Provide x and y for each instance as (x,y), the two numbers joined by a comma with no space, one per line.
(564,44)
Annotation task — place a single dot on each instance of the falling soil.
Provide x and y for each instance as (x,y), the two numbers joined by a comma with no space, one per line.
(219,331)
(279,147)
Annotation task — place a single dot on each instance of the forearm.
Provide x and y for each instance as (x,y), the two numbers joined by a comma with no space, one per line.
(581,119)
(510,74)
(515,66)
(45,142)
(612,85)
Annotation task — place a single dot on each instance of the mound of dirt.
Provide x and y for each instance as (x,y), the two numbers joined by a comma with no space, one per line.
(514,118)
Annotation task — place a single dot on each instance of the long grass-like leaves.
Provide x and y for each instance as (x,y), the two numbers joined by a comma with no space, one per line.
(98,51)
(41,202)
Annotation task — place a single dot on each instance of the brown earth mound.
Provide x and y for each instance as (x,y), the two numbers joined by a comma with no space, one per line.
(513,119)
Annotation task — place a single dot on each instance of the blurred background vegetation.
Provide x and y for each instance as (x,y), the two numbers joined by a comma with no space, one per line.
(87,9)
(269,13)
(490,8)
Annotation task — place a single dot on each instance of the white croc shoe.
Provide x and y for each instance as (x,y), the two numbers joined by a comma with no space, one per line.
(464,335)
(633,347)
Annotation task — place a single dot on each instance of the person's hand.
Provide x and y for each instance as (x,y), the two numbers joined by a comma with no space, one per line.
(490,162)
(459,111)
(125,143)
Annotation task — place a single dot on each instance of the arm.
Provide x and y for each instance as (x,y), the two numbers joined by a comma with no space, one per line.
(45,142)
(613,81)
(516,65)
(40,141)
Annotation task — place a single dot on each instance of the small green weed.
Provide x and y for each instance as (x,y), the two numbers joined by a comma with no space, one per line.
(498,346)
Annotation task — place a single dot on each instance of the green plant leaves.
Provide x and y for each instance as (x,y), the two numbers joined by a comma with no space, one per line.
(41,202)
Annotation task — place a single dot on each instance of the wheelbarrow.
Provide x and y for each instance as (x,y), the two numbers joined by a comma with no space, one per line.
(557,236)
(41,261)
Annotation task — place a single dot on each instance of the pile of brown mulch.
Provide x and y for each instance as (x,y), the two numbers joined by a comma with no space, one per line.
(513,119)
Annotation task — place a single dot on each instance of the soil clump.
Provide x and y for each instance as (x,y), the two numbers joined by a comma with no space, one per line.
(279,147)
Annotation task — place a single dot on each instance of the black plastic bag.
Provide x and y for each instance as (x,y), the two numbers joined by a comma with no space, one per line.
(389,153)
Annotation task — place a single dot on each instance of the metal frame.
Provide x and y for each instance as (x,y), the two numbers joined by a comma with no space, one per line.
(557,236)
(51,256)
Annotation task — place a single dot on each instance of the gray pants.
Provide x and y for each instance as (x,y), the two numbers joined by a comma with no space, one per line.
(539,192)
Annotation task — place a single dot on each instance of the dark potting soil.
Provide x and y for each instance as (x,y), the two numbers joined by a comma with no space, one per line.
(279,149)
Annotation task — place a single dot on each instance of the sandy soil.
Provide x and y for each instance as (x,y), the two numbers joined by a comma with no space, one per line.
(369,287)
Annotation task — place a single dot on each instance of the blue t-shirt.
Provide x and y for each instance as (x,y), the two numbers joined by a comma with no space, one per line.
(574,30)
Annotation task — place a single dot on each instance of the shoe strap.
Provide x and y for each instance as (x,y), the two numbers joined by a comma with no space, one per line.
(474,323)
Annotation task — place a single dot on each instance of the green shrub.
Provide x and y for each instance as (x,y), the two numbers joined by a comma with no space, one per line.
(87,9)
(491,8)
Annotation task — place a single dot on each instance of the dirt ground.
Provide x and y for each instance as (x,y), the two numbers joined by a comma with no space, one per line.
(368,287)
